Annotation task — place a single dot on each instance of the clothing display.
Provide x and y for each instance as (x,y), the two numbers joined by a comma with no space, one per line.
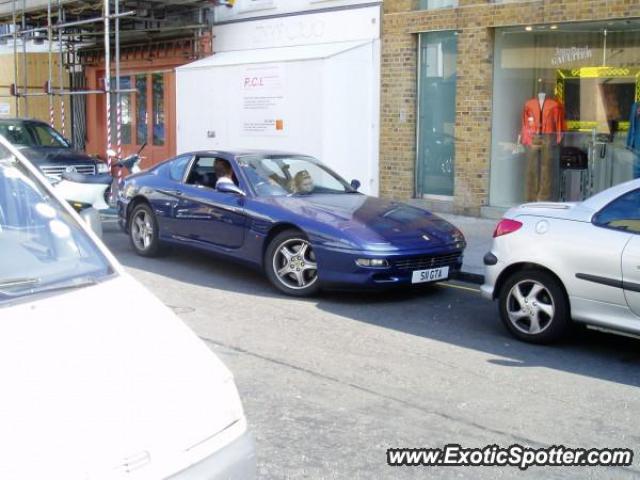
(565,116)
(542,126)
(541,153)
(542,119)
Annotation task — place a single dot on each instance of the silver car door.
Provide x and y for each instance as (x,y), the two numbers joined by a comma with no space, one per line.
(622,216)
(590,255)
(631,273)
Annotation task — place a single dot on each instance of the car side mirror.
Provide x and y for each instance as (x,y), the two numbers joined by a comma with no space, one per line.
(355,184)
(226,187)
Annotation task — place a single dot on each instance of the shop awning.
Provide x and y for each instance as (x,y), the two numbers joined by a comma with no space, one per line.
(269,55)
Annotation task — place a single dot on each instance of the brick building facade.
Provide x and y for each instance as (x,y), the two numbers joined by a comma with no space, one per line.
(475,23)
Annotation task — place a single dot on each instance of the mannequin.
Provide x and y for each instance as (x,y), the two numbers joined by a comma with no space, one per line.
(542,126)
(541,98)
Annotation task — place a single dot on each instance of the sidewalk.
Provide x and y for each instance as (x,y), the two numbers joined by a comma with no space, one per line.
(479,235)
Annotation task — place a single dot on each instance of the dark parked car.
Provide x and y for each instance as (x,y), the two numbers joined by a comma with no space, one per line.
(292,217)
(47,149)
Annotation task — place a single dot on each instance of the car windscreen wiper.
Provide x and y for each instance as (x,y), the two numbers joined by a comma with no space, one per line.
(86,282)
(18,282)
(32,288)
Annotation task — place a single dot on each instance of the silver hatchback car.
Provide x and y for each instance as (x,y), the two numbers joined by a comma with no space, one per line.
(554,263)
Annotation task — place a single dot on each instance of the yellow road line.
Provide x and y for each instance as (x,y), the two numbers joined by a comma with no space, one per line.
(459,287)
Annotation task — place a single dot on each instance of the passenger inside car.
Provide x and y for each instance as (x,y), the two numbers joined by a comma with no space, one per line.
(223,171)
(206,171)
(302,182)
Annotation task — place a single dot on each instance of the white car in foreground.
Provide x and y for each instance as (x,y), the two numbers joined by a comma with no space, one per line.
(99,379)
(552,263)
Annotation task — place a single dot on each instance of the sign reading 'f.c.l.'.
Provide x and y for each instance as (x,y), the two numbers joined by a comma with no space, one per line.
(253,82)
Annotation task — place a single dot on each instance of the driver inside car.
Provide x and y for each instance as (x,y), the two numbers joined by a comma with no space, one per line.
(223,171)
(303,183)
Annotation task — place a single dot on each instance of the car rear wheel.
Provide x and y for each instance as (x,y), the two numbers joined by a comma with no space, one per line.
(291,266)
(143,231)
(534,307)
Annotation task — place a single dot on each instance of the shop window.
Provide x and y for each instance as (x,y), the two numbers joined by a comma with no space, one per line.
(158,109)
(565,113)
(436,113)
(434,4)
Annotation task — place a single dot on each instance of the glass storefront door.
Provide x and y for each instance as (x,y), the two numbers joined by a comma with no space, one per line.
(436,113)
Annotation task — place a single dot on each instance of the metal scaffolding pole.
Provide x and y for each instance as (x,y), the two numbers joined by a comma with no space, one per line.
(49,69)
(107,79)
(75,23)
(83,28)
(15,52)
(118,97)
(24,58)
(63,126)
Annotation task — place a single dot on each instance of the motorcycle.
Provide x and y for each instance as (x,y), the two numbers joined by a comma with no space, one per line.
(100,191)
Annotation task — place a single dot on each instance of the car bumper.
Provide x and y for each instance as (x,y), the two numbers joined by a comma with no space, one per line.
(237,460)
(121,208)
(492,269)
(339,268)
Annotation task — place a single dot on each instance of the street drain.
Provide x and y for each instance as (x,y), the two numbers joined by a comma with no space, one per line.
(178,310)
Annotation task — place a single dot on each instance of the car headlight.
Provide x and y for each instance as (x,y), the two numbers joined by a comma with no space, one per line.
(459,240)
(103,167)
(127,191)
(372,262)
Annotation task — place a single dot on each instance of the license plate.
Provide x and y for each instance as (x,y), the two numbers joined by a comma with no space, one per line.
(431,275)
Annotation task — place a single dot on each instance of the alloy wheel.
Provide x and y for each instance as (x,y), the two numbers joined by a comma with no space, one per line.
(142,230)
(530,307)
(294,264)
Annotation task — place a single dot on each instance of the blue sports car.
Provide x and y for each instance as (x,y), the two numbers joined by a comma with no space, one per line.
(289,215)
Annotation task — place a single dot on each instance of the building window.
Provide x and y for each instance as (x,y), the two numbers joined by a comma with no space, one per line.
(436,113)
(125,109)
(141,109)
(158,109)
(566,118)
(434,4)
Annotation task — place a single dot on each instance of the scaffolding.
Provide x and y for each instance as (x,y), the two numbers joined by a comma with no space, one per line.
(77,25)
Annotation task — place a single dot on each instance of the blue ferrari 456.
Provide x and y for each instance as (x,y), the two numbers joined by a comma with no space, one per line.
(289,215)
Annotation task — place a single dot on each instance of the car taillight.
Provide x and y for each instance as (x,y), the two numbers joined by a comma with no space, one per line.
(506,226)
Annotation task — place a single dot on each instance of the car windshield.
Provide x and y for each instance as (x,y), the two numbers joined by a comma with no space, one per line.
(42,247)
(27,134)
(273,175)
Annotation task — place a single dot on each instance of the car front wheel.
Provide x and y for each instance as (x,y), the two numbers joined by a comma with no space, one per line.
(534,307)
(290,264)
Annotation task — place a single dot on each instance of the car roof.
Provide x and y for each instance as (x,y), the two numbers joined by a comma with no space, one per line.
(242,152)
(21,120)
(601,199)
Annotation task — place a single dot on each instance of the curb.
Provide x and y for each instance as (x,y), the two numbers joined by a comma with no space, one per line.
(469,277)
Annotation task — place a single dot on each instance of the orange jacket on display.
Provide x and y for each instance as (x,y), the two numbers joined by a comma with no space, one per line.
(536,120)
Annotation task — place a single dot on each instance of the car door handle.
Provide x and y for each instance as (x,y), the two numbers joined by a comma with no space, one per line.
(171,193)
